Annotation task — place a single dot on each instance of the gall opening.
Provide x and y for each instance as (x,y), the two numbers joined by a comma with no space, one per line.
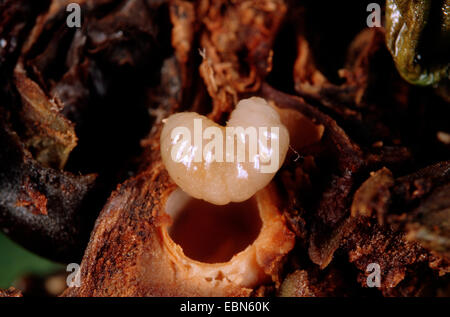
(210,233)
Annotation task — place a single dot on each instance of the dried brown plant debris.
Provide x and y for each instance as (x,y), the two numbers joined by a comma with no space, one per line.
(60,119)
(366,179)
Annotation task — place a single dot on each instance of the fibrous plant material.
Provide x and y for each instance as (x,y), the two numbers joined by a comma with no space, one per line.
(235,43)
(59,121)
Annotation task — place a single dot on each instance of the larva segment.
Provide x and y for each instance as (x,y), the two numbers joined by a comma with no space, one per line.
(225,164)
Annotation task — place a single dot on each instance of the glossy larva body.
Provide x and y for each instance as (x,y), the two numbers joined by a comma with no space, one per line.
(225,164)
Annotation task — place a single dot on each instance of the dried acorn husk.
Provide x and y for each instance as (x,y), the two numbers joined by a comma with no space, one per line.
(133,253)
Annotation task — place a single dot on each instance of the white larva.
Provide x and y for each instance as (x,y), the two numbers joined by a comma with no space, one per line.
(207,166)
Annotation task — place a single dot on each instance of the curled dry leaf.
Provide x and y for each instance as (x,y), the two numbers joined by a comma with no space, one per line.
(58,124)
(236,48)
(49,135)
(417,35)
